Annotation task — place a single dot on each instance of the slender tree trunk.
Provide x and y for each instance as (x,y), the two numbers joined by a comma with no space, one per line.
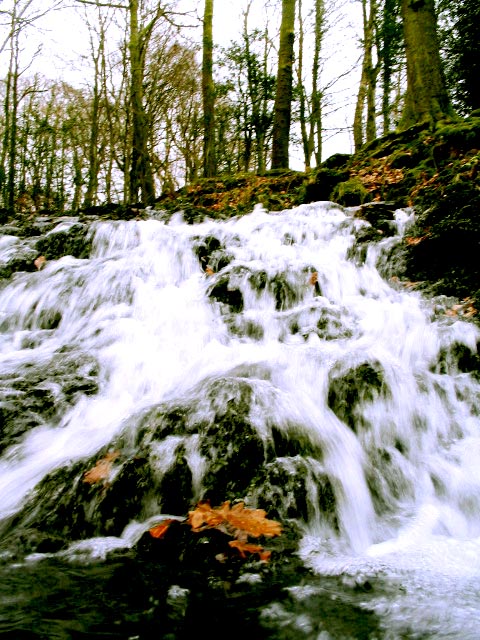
(316,118)
(283,97)
(366,91)
(93,157)
(11,118)
(426,98)
(301,89)
(141,177)
(208,92)
(389,43)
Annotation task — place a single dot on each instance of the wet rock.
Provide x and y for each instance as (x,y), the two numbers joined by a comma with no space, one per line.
(347,391)
(27,400)
(73,240)
(18,255)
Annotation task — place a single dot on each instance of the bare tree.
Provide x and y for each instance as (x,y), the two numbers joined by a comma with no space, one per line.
(208,90)
(283,98)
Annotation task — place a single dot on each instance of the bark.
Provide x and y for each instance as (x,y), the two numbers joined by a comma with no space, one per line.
(389,49)
(283,98)
(208,92)
(367,87)
(141,177)
(426,97)
(316,117)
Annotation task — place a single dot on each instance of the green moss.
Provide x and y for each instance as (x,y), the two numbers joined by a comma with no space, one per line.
(351,193)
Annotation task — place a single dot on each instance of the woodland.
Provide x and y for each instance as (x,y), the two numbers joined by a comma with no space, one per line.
(169,124)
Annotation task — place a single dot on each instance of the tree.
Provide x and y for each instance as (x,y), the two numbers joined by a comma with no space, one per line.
(460,37)
(310,110)
(250,90)
(208,92)
(21,15)
(96,32)
(368,80)
(391,55)
(283,97)
(426,97)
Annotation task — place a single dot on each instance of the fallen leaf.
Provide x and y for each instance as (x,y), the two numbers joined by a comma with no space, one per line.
(161,529)
(244,547)
(237,520)
(40,262)
(101,470)
(209,271)
(412,241)
(313,278)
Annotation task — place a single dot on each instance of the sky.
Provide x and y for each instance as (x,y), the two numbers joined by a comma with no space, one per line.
(63,36)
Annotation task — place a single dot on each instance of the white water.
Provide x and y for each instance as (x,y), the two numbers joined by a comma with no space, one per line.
(139,305)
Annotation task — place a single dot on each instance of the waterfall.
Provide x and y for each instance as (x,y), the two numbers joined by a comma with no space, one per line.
(264,359)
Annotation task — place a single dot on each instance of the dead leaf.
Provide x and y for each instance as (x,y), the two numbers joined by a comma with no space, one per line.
(244,547)
(161,529)
(412,241)
(101,470)
(40,262)
(237,521)
(209,271)
(313,278)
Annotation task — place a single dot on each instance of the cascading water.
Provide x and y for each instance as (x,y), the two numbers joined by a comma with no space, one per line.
(253,359)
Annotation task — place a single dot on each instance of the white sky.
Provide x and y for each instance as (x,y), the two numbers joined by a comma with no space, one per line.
(64,39)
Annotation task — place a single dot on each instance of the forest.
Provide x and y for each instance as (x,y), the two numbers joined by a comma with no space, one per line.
(163,108)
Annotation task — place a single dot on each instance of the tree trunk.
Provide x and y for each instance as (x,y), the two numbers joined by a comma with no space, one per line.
(208,92)
(283,97)
(366,91)
(389,47)
(98,58)
(426,98)
(316,116)
(141,178)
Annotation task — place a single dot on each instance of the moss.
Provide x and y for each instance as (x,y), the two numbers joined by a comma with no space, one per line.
(350,193)
(349,390)
(73,242)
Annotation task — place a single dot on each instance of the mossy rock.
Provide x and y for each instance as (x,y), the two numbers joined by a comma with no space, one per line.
(74,241)
(348,390)
(350,193)
(321,186)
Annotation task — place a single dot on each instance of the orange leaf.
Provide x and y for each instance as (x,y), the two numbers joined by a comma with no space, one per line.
(161,529)
(209,271)
(243,547)
(238,521)
(204,516)
(313,278)
(265,555)
(412,241)
(101,470)
(40,262)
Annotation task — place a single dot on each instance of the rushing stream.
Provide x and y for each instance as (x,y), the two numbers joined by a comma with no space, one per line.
(265,359)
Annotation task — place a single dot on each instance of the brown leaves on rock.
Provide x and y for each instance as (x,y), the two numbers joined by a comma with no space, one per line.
(101,471)
(237,521)
(465,309)
(414,240)
(378,175)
